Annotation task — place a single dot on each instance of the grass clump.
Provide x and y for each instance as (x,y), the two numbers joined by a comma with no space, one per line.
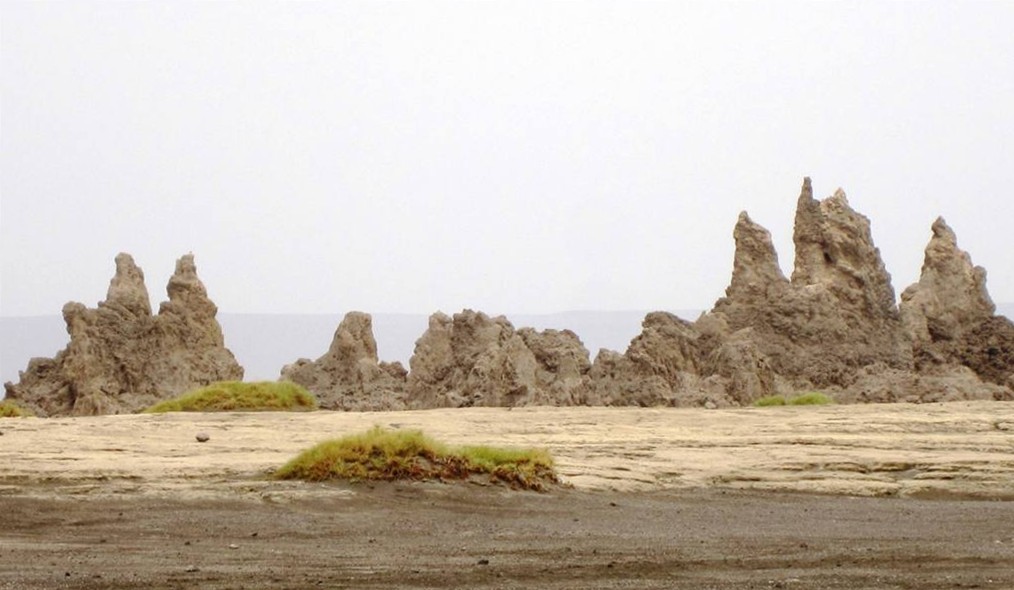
(237,396)
(9,409)
(813,398)
(770,400)
(382,454)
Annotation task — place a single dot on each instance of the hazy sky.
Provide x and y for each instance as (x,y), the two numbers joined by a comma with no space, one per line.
(508,157)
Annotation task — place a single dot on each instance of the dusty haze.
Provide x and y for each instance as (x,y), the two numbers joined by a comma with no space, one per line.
(521,157)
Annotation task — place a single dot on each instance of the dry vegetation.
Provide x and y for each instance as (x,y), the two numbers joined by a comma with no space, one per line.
(9,409)
(814,398)
(382,454)
(236,396)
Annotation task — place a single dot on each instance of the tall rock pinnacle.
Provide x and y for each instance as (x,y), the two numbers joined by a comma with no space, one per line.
(127,291)
(834,247)
(755,266)
(951,292)
(349,375)
(121,358)
(950,315)
(837,313)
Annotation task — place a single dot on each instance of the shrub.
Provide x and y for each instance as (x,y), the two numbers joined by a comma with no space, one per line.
(770,400)
(236,396)
(813,398)
(9,409)
(382,454)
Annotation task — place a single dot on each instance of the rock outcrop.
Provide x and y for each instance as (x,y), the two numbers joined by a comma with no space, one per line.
(835,251)
(944,383)
(833,326)
(951,318)
(837,313)
(743,371)
(659,367)
(676,363)
(350,376)
(471,359)
(121,358)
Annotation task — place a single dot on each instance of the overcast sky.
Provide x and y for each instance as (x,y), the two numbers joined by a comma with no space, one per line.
(508,157)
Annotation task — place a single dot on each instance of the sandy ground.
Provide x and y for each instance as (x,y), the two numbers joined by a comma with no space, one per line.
(893,496)
(891,449)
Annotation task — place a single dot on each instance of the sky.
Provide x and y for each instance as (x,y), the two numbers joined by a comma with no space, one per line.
(524,157)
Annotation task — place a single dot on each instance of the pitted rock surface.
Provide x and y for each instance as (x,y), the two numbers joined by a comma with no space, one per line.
(349,376)
(471,359)
(833,327)
(121,358)
(951,317)
(835,316)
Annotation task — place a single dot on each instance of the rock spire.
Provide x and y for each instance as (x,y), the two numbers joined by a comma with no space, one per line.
(121,358)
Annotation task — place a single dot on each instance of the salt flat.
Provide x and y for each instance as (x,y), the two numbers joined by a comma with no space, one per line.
(962,448)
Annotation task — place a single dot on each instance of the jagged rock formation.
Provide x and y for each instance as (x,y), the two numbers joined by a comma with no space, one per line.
(471,359)
(951,317)
(880,384)
(835,251)
(834,326)
(660,367)
(835,316)
(744,372)
(561,363)
(988,349)
(676,363)
(350,376)
(121,358)
(949,299)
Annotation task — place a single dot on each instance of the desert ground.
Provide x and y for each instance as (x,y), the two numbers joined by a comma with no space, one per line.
(873,496)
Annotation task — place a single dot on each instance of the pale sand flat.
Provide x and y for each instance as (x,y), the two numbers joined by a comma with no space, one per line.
(964,448)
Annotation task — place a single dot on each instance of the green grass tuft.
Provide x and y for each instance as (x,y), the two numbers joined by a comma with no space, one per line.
(236,396)
(770,400)
(382,454)
(9,409)
(814,398)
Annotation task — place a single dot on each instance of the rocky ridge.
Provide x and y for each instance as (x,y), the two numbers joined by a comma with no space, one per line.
(832,326)
(836,314)
(471,359)
(121,358)
(349,375)
(951,317)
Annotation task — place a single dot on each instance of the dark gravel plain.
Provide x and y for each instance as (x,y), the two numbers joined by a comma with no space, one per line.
(431,535)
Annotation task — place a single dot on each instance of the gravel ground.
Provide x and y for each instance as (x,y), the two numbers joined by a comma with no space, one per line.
(890,496)
(435,535)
